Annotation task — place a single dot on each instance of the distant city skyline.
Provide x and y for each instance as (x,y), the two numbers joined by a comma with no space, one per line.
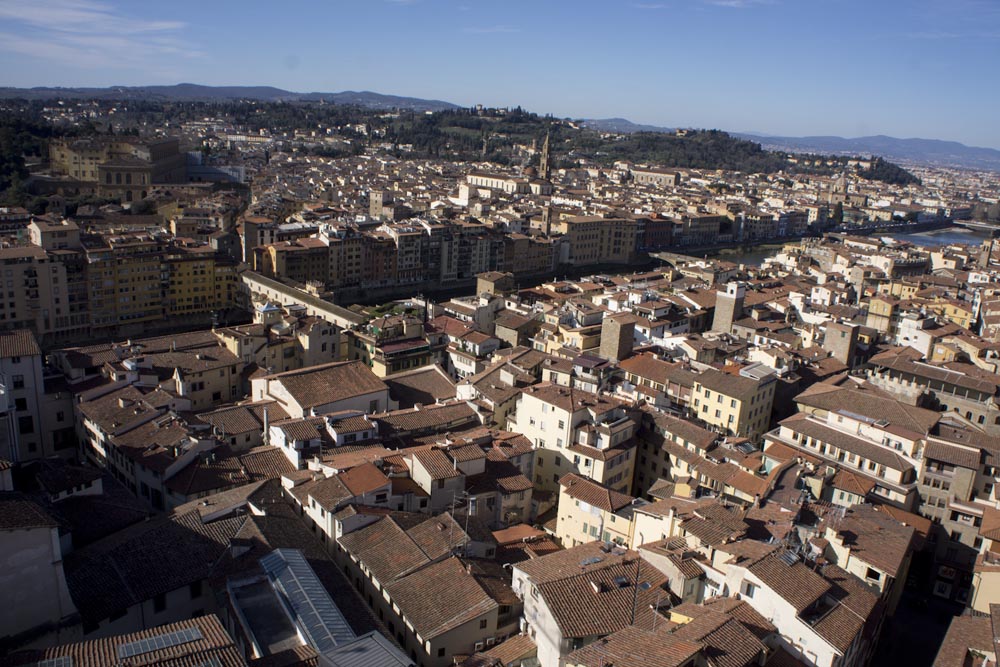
(780,67)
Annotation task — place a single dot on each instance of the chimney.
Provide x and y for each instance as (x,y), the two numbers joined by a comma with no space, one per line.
(266,435)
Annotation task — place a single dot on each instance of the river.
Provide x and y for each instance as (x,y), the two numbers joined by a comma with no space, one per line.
(935,239)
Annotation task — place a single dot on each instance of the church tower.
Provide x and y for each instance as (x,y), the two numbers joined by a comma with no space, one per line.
(543,167)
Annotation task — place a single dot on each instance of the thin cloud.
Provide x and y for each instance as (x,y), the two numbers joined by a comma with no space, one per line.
(657,5)
(79,16)
(492,29)
(739,4)
(90,34)
(933,35)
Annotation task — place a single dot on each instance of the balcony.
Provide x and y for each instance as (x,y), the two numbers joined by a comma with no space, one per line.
(401,348)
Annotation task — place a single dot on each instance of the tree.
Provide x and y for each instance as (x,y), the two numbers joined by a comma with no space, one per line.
(838,214)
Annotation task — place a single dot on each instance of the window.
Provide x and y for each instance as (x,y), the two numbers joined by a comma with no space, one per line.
(441,652)
(749,589)
(18,381)
(195,590)
(25,425)
(482,624)
(159,603)
(20,404)
(873,574)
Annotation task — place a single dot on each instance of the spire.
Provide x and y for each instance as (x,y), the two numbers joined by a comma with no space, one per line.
(543,167)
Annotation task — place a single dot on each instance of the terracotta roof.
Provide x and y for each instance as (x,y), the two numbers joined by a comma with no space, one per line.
(18,512)
(145,560)
(961,456)
(634,646)
(59,476)
(726,642)
(214,646)
(600,601)
(845,480)
(570,400)
(594,493)
(436,463)
(425,385)
(439,418)
(796,583)
(440,597)
(965,634)
(244,418)
(854,606)
(329,383)
(874,537)
(18,343)
(715,524)
(812,427)
(581,559)
(869,402)
(363,479)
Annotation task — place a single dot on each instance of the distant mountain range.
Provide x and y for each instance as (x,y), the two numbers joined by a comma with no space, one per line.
(922,151)
(919,151)
(190,92)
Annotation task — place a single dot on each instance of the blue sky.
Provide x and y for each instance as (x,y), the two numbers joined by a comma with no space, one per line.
(925,68)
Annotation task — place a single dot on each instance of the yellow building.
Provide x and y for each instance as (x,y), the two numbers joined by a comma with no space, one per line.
(590,511)
(735,404)
(596,240)
(957,312)
(125,281)
(198,281)
(883,314)
(581,432)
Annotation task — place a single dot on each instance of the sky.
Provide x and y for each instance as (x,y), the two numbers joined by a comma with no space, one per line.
(905,68)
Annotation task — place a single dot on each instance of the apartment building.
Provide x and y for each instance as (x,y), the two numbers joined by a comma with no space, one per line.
(22,397)
(737,403)
(579,432)
(319,390)
(589,511)
(619,588)
(954,386)
(596,240)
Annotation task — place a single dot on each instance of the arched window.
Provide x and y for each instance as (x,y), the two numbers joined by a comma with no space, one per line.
(118,179)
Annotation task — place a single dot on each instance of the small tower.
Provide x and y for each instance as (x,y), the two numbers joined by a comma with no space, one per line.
(841,341)
(728,307)
(617,336)
(543,167)
(986,254)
